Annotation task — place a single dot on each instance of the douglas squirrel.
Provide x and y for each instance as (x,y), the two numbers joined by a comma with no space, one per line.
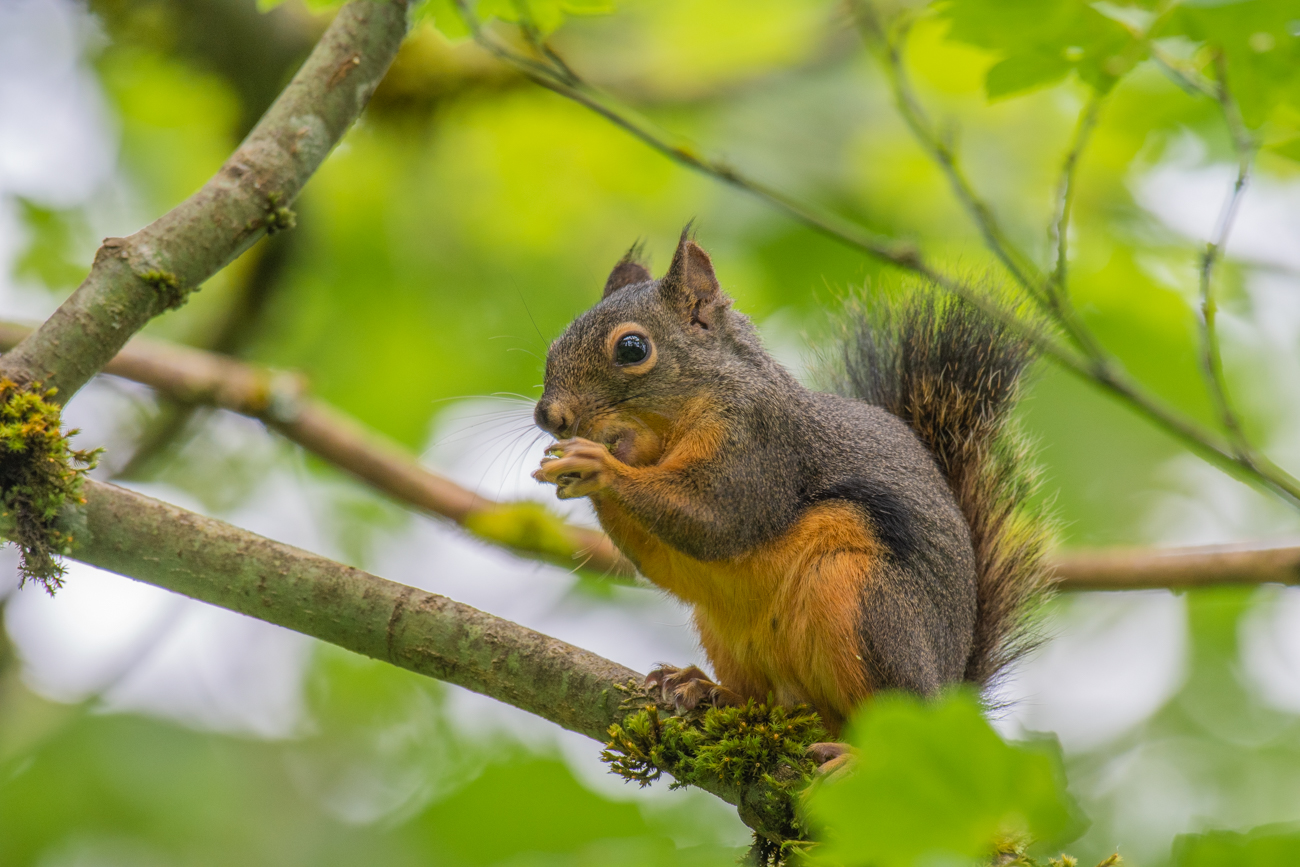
(831,545)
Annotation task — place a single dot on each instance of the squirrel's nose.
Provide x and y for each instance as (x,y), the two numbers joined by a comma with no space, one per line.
(553,418)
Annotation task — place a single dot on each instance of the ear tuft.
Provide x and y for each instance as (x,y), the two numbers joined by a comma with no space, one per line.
(691,284)
(628,271)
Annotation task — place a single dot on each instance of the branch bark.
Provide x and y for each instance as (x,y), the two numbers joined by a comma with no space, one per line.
(279,400)
(1179,568)
(140,276)
(206,559)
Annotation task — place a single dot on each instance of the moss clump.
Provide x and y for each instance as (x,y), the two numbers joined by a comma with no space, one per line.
(757,752)
(1011,853)
(168,287)
(279,218)
(39,475)
(524,526)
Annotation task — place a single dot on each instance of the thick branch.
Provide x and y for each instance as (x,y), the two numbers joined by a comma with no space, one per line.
(206,559)
(137,277)
(194,377)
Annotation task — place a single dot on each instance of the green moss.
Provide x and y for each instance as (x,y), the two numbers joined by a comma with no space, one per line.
(39,475)
(524,526)
(757,752)
(167,286)
(278,217)
(1011,853)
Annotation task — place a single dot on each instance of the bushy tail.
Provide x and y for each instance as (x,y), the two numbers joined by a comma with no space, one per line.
(953,374)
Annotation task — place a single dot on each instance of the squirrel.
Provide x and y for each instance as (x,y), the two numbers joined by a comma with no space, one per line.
(831,545)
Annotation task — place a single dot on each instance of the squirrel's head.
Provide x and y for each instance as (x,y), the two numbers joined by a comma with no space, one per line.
(622,372)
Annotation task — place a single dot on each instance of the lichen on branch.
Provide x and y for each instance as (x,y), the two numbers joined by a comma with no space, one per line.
(39,474)
(757,752)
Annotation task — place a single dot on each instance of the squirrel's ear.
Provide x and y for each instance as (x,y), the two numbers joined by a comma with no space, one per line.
(692,285)
(629,270)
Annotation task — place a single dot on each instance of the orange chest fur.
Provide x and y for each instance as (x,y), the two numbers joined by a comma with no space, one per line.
(781,618)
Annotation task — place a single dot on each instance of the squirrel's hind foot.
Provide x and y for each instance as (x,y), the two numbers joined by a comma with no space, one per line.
(687,688)
(833,759)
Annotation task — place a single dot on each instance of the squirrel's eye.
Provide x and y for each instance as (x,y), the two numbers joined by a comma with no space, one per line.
(631,349)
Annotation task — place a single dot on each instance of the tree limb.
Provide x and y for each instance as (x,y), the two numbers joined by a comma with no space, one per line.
(140,276)
(206,559)
(193,377)
(209,560)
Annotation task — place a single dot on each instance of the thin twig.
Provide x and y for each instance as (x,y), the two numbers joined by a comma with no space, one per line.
(1058,288)
(1211,355)
(1065,192)
(918,121)
(1103,372)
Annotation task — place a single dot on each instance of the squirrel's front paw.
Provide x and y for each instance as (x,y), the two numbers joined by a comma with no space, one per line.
(577,467)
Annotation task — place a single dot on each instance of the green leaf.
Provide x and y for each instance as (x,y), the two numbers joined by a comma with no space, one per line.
(1268,846)
(1040,41)
(1289,148)
(932,781)
(1259,43)
(50,256)
(1017,74)
(444,15)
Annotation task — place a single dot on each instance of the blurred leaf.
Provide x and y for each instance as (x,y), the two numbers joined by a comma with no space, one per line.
(1272,846)
(1289,149)
(444,15)
(1040,41)
(934,780)
(1259,42)
(50,255)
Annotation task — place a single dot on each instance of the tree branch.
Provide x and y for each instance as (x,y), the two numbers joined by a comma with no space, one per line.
(193,377)
(209,560)
(140,276)
(1178,568)
(202,558)
(909,107)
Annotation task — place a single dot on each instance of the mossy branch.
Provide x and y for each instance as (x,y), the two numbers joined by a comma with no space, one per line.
(757,754)
(209,560)
(138,277)
(40,474)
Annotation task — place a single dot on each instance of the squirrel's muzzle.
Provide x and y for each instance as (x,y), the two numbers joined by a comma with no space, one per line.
(554,418)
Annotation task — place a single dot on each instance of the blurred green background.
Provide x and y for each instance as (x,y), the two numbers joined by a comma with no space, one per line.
(461,224)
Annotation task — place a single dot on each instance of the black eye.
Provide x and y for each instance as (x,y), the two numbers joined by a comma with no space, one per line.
(631,349)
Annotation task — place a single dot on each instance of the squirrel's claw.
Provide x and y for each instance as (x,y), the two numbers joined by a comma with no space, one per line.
(577,467)
(686,688)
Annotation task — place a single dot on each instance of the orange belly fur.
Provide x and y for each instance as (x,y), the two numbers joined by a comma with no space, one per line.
(781,619)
